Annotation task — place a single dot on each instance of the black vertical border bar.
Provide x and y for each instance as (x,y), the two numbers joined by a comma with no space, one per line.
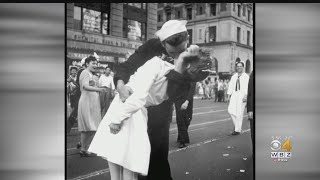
(65,90)
(254,88)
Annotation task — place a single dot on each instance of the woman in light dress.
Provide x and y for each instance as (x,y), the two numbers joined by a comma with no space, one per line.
(89,116)
(128,150)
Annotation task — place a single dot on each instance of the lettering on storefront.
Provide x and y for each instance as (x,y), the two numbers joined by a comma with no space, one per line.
(80,56)
(111,41)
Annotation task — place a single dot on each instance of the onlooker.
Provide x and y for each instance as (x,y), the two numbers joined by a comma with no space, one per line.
(89,113)
(184,109)
(220,90)
(226,84)
(106,81)
(71,82)
(216,83)
(206,89)
(211,88)
(237,92)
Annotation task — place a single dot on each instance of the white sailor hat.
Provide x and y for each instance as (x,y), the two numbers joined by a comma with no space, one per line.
(170,28)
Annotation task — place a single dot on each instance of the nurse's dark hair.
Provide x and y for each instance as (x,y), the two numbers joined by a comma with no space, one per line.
(89,59)
(176,39)
(200,62)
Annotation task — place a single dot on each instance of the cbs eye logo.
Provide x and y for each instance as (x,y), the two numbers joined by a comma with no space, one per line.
(276,145)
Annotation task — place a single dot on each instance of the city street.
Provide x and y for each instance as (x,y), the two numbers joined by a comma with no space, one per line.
(211,154)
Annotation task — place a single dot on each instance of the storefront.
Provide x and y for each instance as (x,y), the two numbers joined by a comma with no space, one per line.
(111,50)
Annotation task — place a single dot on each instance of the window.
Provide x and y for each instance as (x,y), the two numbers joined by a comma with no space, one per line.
(138,5)
(159,18)
(168,16)
(134,30)
(200,34)
(105,23)
(223,6)
(248,38)
(92,17)
(200,11)
(144,5)
(234,7)
(239,10)
(244,11)
(212,34)
(91,20)
(249,15)
(190,36)
(178,15)
(238,34)
(213,9)
(189,13)
(77,17)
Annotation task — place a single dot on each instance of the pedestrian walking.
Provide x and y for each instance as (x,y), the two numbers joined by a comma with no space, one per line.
(225,88)
(237,97)
(206,89)
(220,90)
(216,92)
(211,88)
(89,112)
(184,109)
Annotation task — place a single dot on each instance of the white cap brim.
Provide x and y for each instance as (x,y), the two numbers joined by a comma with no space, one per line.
(170,28)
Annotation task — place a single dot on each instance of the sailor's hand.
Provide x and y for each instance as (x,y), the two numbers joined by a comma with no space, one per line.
(184,106)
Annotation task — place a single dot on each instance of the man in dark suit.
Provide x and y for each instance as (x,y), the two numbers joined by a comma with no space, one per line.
(184,109)
(173,39)
(250,107)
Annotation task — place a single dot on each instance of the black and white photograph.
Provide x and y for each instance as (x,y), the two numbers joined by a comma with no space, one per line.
(159,91)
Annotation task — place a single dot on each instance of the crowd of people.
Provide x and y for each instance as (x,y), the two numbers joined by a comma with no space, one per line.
(213,89)
(125,117)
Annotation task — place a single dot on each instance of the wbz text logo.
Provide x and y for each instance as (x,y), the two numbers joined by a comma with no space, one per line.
(281,150)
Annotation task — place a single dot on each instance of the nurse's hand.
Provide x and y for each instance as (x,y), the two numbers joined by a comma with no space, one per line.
(124,91)
(114,128)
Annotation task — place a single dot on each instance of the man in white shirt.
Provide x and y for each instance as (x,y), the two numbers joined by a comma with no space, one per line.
(237,96)
(106,80)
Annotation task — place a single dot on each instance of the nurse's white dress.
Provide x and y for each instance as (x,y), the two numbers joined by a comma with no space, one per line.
(130,148)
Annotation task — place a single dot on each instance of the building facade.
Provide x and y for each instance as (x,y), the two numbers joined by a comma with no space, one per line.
(112,30)
(226,29)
